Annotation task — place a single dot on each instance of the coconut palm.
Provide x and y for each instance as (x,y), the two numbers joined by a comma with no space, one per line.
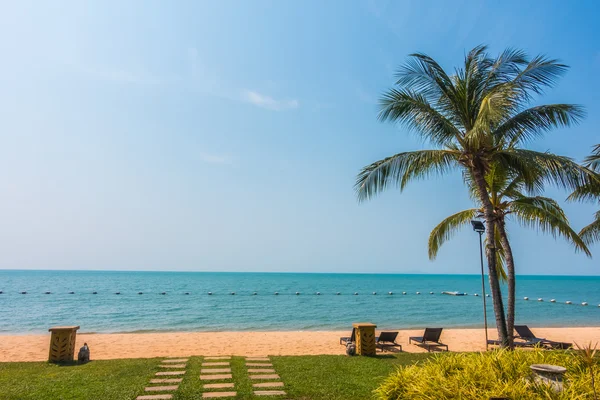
(464,115)
(512,199)
(590,191)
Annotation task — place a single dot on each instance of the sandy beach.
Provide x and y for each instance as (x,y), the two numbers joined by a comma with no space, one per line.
(148,345)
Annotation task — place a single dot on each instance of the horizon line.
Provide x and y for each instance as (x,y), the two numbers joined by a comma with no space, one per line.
(282,272)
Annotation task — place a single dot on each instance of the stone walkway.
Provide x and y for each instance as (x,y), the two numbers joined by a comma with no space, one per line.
(218,382)
(265,380)
(166,381)
(217,378)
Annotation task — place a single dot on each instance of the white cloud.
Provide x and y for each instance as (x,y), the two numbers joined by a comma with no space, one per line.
(215,158)
(261,100)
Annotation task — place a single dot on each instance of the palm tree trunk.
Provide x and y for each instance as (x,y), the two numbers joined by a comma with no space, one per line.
(510,266)
(490,251)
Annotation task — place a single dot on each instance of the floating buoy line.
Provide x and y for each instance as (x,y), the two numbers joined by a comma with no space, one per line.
(390,293)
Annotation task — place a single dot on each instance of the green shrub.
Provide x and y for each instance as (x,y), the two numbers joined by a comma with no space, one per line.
(479,376)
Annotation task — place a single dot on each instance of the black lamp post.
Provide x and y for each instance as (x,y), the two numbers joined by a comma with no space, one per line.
(480,228)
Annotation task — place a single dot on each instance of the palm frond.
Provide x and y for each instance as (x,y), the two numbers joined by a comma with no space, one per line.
(593,160)
(517,186)
(497,104)
(447,228)
(586,192)
(477,65)
(506,66)
(423,74)
(401,169)
(591,233)
(414,111)
(546,215)
(540,73)
(551,168)
(535,121)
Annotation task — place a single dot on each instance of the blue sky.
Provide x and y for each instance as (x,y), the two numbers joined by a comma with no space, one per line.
(226,135)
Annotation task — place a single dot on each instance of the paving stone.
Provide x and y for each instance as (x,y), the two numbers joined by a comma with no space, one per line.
(261,370)
(267,384)
(169,373)
(269,392)
(172,380)
(215,377)
(257,358)
(218,358)
(173,366)
(175,360)
(272,376)
(155,397)
(215,370)
(216,364)
(259,364)
(161,388)
(212,395)
(218,385)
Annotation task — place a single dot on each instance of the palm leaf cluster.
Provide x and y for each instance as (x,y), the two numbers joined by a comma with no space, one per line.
(512,200)
(590,191)
(465,115)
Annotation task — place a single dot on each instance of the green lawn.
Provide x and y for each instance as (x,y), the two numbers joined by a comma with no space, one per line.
(305,377)
(337,377)
(106,380)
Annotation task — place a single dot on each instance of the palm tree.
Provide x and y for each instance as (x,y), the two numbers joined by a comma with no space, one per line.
(463,115)
(509,195)
(590,191)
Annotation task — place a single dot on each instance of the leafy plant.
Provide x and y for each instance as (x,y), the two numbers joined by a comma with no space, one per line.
(587,354)
(500,373)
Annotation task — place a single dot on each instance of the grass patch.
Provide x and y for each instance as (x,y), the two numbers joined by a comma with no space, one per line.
(305,377)
(338,377)
(107,380)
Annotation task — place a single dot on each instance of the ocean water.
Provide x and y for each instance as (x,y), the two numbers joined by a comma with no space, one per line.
(106,311)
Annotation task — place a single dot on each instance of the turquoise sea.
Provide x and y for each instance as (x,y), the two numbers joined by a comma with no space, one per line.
(175,310)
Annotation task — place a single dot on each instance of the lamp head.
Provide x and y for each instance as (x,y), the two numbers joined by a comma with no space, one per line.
(478,226)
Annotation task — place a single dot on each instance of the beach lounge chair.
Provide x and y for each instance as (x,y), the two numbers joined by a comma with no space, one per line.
(349,339)
(524,333)
(431,338)
(387,340)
